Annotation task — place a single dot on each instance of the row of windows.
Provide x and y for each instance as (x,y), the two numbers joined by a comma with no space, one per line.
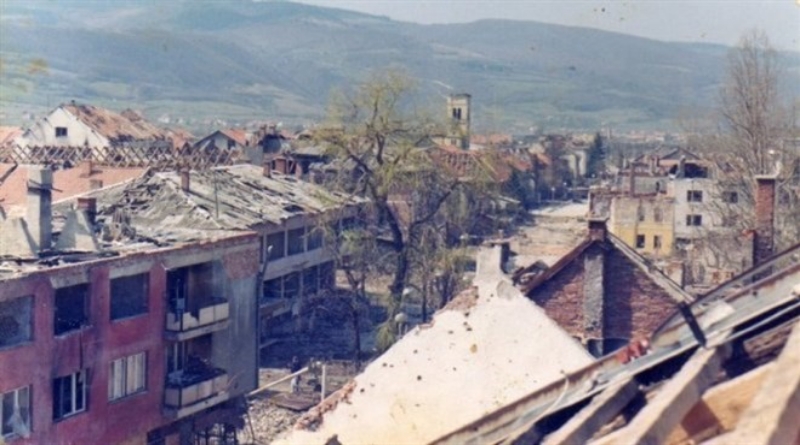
(309,281)
(658,214)
(641,241)
(126,377)
(128,299)
(293,242)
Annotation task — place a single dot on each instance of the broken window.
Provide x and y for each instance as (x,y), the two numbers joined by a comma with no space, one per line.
(657,241)
(296,243)
(126,376)
(16,319)
(69,395)
(277,243)
(694,220)
(694,196)
(273,289)
(314,238)
(291,285)
(311,280)
(71,308)
(61,132)
(129,296)
(15,413)
(640,241)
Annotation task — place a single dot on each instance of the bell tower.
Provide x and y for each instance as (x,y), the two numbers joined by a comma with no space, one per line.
(459,113)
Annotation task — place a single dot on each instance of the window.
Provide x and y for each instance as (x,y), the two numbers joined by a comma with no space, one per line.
(126,376)
(278,243)
(310,280)
(694,220)
(730,197)
(15,413)
(273,289)
(296,243)
(658,214)
(71,308)
(69,395)
(327,276)
(694,196)
(314,238)
(16,320)
(61,132)
(176,357)
(291,285)
(640,241)
(640,213)
(657,241)
(129,296)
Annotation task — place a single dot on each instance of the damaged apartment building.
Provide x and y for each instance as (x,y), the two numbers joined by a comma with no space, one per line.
(670,208)
(145,299)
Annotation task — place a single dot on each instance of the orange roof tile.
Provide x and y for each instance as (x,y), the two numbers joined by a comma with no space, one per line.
(8,134)
(238,135)
(112,125)
(66,183)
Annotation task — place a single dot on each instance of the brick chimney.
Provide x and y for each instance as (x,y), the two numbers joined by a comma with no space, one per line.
(597,228)
(185,180)
(39,216)
(89,206)
(764,245)
(85,168)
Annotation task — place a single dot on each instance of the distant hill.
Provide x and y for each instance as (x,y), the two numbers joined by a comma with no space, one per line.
(243,60)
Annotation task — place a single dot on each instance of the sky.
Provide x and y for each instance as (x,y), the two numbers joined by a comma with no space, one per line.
(712,21)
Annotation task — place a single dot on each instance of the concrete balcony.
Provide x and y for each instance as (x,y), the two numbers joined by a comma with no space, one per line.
(189,324)
(190,393)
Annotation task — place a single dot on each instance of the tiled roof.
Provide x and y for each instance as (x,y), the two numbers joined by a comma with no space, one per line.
(66,183)
(8,134)
(114,126)
(237,134)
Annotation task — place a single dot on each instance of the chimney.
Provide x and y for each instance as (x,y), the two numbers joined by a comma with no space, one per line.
(280,165)
(88,206)
(597,228)
(764,245)
(185,180)
(39,213)
(268,169)
(85,168)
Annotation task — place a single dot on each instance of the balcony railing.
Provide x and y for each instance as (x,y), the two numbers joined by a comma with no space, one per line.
(189,323)
(188,393)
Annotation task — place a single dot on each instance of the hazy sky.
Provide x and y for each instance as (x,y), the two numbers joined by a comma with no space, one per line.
(715,21)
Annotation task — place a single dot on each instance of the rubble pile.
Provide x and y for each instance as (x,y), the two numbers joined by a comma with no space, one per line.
(267,421)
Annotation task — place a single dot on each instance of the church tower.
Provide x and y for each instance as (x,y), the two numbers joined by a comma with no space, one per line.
(458,109)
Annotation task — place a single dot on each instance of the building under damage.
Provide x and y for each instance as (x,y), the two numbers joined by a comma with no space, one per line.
(145,299)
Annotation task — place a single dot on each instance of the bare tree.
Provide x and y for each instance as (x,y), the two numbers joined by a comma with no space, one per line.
(755,126)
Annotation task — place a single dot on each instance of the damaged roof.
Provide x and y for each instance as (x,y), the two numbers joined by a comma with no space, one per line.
(230,198)
(128,125)
(452,371)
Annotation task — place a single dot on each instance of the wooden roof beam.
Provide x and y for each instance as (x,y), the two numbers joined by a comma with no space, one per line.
(774,415)
(603,408)
(654,423)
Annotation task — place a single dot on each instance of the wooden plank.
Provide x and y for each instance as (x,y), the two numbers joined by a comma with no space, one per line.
(605,406)
(774,415)
(720,409)
(667,409)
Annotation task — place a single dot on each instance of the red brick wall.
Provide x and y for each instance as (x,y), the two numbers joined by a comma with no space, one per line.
(635,305)
(562,298)
(765,217)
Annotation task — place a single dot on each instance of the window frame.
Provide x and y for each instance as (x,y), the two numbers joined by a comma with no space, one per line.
(145,277)
(694,196)
(30,328)
(278,248)
(694,220)
(25,415)
(657,242)
(295,241)
(123,374)
(61,132)
(76,379)
(641,241)
(86,321)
